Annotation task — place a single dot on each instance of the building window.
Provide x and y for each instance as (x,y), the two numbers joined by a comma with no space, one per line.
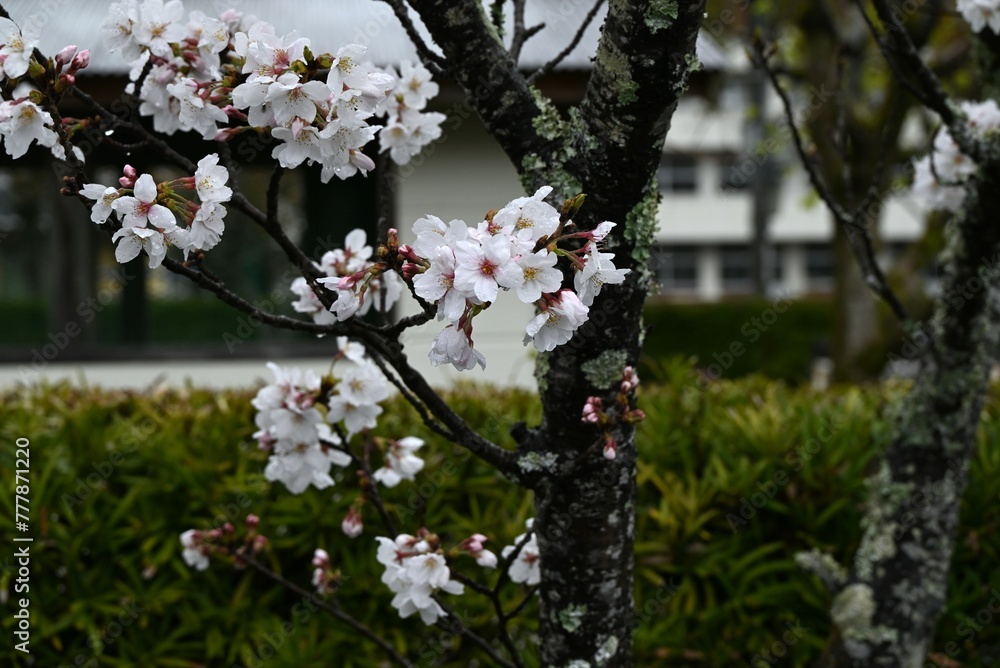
(676,267)
(819,265)
(678,173)
(734,174)
(735,268)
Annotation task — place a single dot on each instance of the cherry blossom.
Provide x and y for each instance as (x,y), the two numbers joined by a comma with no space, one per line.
(400,462)
(141,208)
(16,48)
(415,571)
(980,14)
(104,197)
(526,567)
(23,122)
(481,267)
(555,325)
(195,553)
(454,346)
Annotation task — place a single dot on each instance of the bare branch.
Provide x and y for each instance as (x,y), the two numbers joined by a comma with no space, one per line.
(431,60)
(551,65)
(853,222)
(478,640)
(332,608)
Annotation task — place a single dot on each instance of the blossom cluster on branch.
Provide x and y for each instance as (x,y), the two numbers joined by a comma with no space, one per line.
(225,76)
(939,178)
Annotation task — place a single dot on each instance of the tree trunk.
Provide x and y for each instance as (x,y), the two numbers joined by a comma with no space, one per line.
(608,148)
(888,606)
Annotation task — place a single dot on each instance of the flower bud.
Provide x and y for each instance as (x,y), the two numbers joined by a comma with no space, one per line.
(80,61)
(65,56)
(352,525)
(252,521)
(610,448)
(320,558)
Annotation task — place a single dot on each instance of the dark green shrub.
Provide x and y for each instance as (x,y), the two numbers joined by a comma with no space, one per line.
(117,476)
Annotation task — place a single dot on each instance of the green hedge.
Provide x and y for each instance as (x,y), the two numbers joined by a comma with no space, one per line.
(117,476)
(732,339)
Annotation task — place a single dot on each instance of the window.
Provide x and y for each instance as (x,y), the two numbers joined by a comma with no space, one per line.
(735,268)
(819,265)
(676,267)
(678,173)
(735,174)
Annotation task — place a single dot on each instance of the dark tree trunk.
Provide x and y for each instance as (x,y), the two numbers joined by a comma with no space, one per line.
(609,149)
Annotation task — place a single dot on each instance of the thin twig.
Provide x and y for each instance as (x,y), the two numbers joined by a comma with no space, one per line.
(432,61)
(517,37)
(333,609)
(857,233)
(475,638)
(551,65)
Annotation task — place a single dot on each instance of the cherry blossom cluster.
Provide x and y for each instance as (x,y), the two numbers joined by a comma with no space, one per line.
(408,128)
(149,211)
(526,566)
(939,177)
(325,578)
(224,76)
(22,119)
(462,269)
(304,420)
(416,570)
(353,274)
(594,412)
(980,13)
(198,546)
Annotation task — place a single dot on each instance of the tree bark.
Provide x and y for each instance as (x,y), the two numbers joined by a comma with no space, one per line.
(608,148)
(887,608)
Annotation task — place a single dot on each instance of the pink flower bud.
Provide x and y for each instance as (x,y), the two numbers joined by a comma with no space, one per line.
(352,526)
(67,79)
(65,55)
(233,112)
(409,270)
(610,448)
(407,253)
(320,558)
(226,134)
(259,542)
(252,521)
(228,527)
(80,61)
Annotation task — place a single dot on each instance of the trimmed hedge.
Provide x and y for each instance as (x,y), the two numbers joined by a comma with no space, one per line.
(733,480)
(737,338)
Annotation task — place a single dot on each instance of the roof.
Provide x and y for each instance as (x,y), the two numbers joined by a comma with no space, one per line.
(330,24)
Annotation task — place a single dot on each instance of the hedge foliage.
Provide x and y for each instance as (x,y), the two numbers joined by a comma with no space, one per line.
(734,479)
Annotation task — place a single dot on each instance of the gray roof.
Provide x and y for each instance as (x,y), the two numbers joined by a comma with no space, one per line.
(330,24)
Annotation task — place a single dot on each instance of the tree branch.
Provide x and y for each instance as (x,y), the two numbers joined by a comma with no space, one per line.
(486,72)
(332,608)
(551,65)
(640,71)
(431,60)
(853,222)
